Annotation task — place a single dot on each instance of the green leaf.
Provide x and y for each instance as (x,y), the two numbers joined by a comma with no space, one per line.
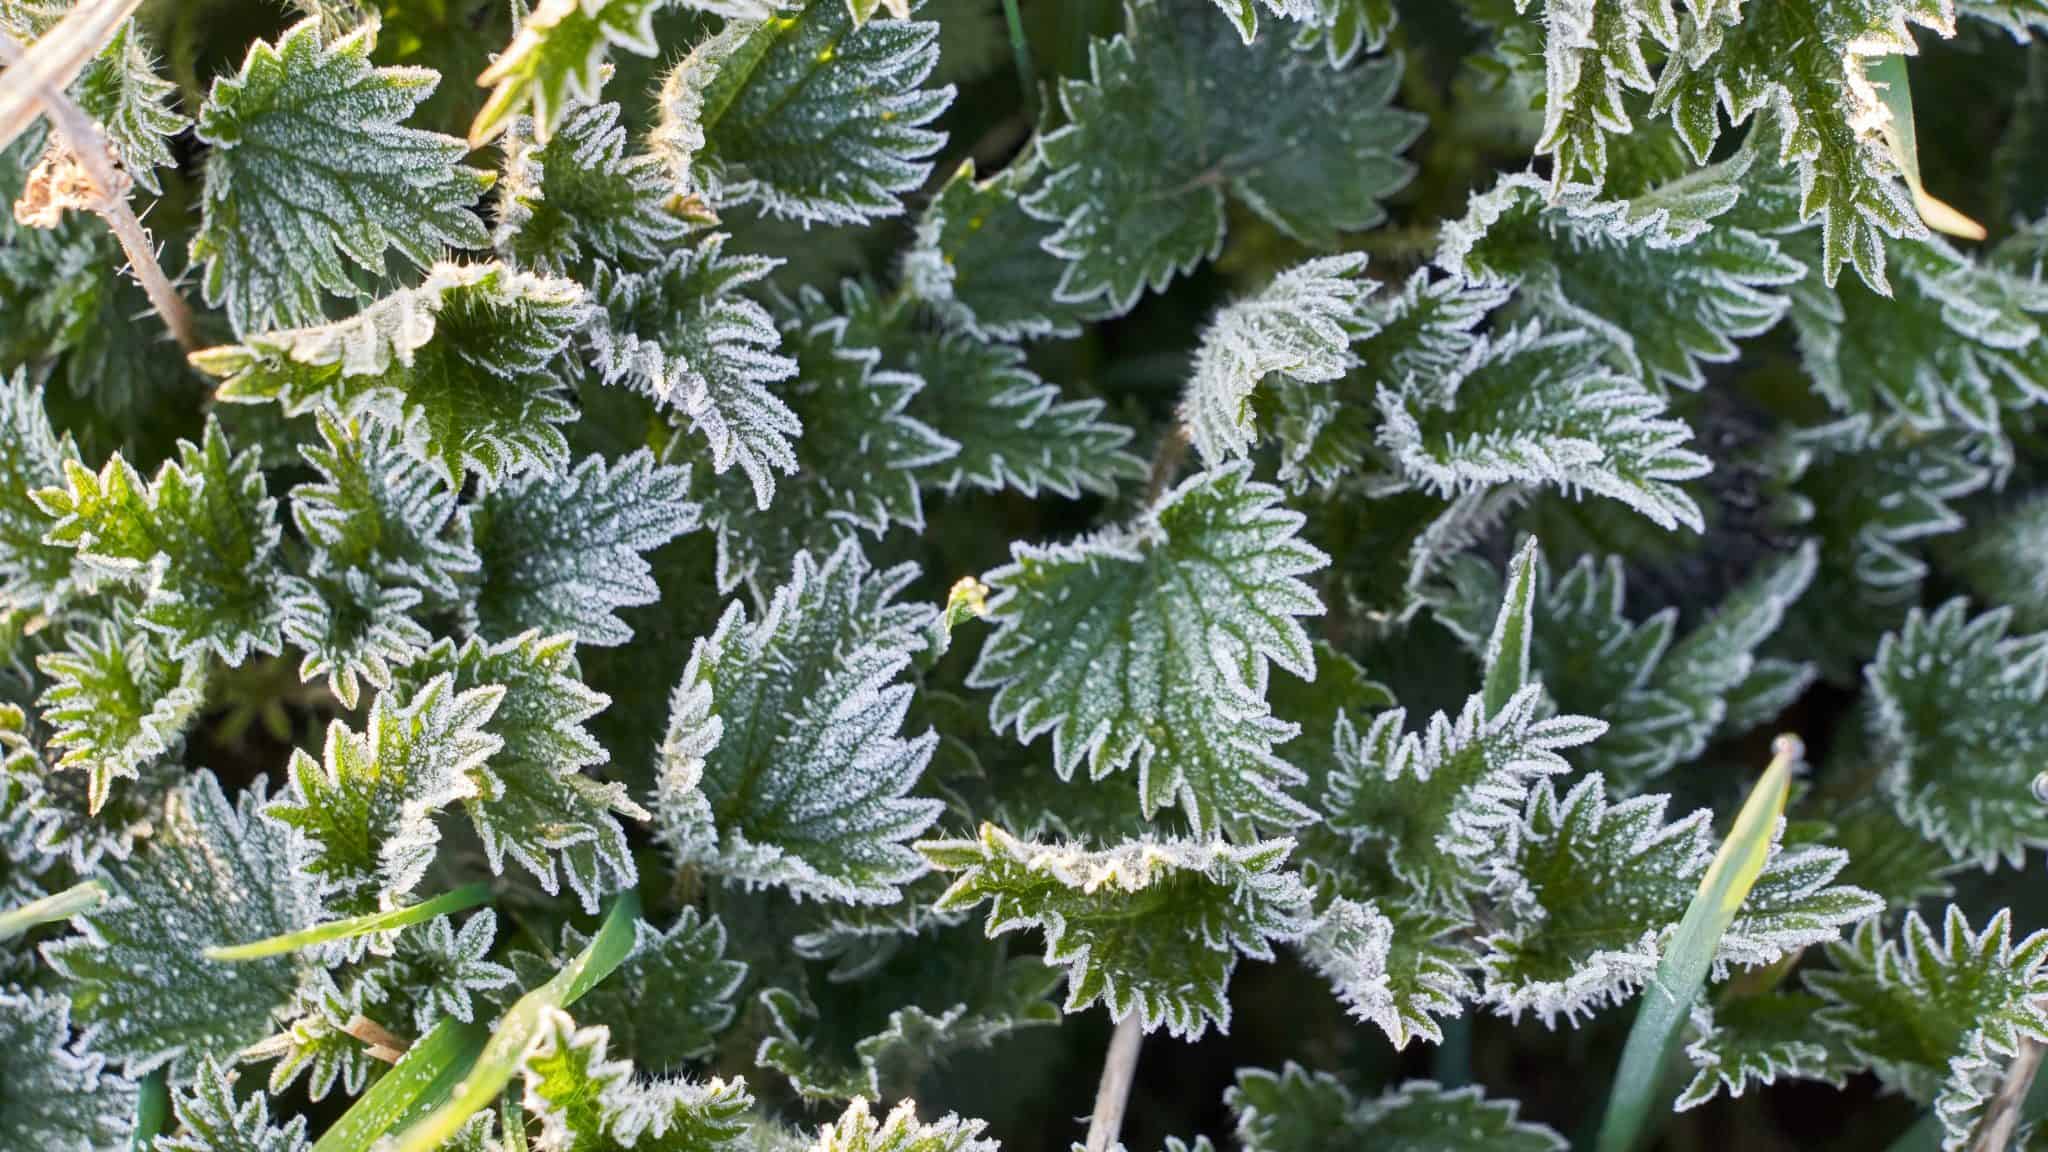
(900,1131)
(1698,946)
(1150,644)
(808,115)
(783,764)
(1593,56)
(379,509)
(581,196)
(1757,1039)
(1938,1018)
(1153,927)
(210,1119)
(562,553)
(1303,1111)
(132,104)
(556,62)
(979,258)
(1175,117)
(1433,806)
(115,705)
(367,806)
(281,211)
(468,896)
(200,541)
(1538,408)
(862,458)
(1346,27)
(672,996)
(500,1058)
(33,572)
(1298,327)
(1592,893)
(2019,17)
(467,353)
(352,631)
(1959,713)
(681,333)
(1326,429)
(1803,61)
(1013,430)
(1506,660)
(1659,275)
(425,1075)
(586,1103)
(214,871)
(59,1093)
(536,798)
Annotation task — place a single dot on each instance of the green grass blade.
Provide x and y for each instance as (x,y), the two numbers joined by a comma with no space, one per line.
(152,1108)
(1901,137)
(1507,651)
(422,1078)
(468,896)
(61,906)
(1668,999)
(500,1057)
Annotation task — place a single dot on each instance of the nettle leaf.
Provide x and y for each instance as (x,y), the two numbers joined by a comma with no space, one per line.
(534,798)
(681,333)
(586,1103)
(1302,1111)
(1991,558)
(1664,699)
(200,541)
(1954,343)
(810,114)
(34,573)
(211,1119)
(858,1131)
(1433,805)
(1938,1019)
(367,806)
(1536,408)
(438,972)
(1300,326)
(1012,429)
(862,458)
(579,195)
(467,354)
(311,162)
(878,1023)
(1175,114)
(1959,713)
(2019,17)
(379,509)
(1151,644)
(1244,15)
(115,704)
(1804,62)
(1326,429)
(1347,27)
(121,90)
(60,1095)
(564,553)
(1150,926)
(1587,891)
(782,765)
(214,871)
(670,999)
(557,61)
(1658,275)
(1747,1040)
(1593,56)
(979,258)
(352,631)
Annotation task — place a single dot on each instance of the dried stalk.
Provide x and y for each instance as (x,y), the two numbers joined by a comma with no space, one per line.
(89,146)
(1118,1067)
(2002,1116)
(58,58)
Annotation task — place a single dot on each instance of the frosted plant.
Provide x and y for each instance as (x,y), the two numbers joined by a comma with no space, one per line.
(677,575)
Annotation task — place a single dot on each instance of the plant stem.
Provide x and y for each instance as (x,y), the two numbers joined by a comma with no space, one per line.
(2003,1115)
(1118,1067)
(1020,49)
(1173,448)
(90,145)
(61,54)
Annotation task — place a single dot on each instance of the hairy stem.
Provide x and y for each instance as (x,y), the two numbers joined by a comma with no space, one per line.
(1118,1067)
(2002,1116)
(90,145)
